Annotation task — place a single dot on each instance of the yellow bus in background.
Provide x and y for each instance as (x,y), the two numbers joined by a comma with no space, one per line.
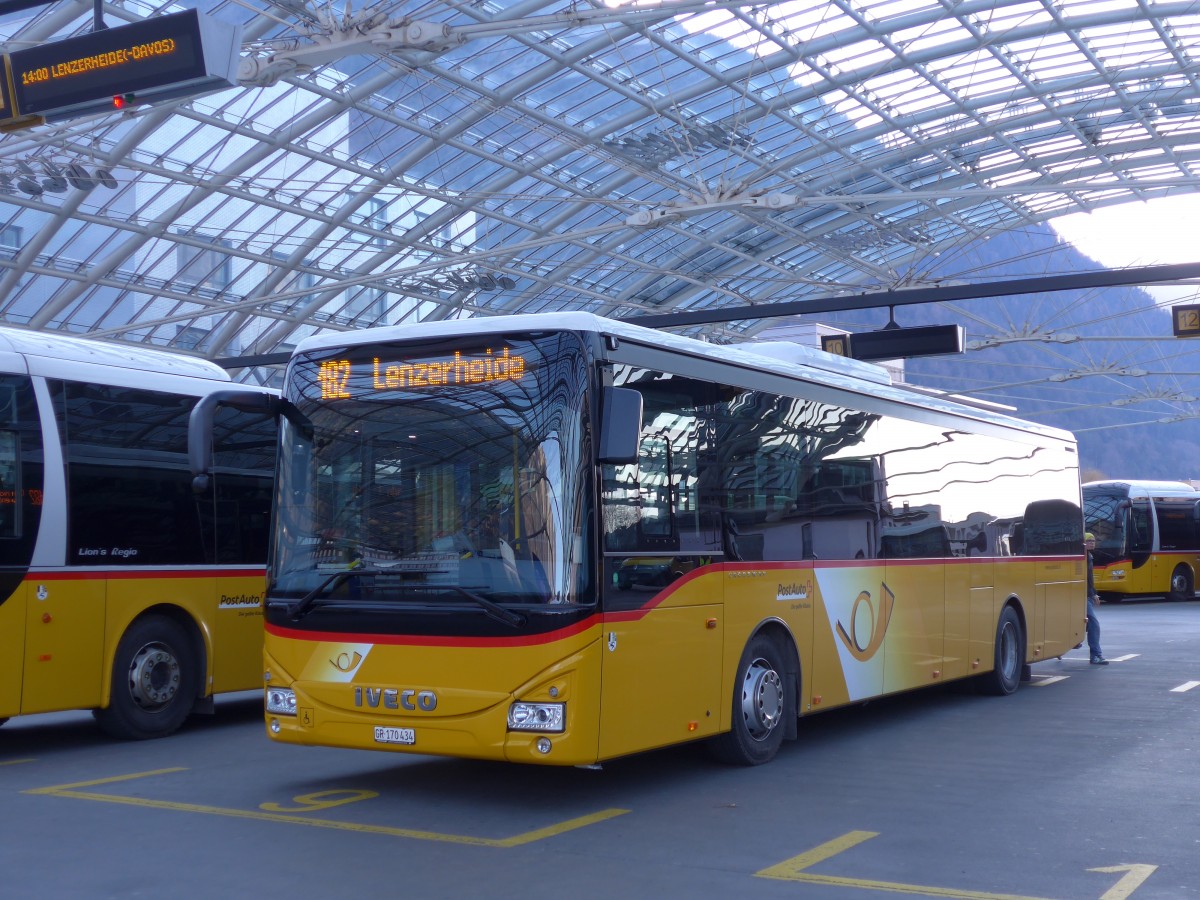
(562,539)
(1147,538)
(121,590)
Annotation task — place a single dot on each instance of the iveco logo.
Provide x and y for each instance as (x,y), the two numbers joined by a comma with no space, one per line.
(390,698)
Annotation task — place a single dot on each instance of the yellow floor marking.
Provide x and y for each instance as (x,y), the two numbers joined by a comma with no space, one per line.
(794,870)
(69,790)
(896,888)
(320,800)
(110,780)
(1133,879)
(13,762)
(789,869)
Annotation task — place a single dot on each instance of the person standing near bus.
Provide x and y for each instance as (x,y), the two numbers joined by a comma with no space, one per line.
(1093,624)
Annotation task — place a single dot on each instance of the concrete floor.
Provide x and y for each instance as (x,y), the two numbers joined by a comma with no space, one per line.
(1083,784)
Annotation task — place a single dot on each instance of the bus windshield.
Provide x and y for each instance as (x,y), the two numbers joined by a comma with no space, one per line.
(1104,516)
(453,473)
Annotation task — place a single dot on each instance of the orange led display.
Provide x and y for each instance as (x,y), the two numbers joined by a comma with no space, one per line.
(334,375)
(84,65)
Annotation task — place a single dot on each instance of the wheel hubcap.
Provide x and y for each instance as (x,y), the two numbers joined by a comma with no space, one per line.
(762,699)
(154,676)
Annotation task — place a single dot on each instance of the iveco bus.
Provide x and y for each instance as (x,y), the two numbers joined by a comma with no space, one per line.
(561,539)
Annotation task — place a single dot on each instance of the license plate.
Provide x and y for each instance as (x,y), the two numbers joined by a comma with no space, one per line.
(387,735)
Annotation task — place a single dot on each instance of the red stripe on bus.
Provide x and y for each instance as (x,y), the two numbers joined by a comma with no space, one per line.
(416,640)
(127,574)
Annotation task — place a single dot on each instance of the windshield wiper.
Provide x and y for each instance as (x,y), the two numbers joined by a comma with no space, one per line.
(500,613)
(332,583)
(493,609)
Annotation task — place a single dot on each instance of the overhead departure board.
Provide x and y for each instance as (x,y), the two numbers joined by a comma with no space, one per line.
(1186,320)
(160,58)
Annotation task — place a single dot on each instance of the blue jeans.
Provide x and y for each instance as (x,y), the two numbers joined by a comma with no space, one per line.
(1093,630)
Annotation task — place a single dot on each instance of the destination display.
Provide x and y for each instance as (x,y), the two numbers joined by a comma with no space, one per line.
(896,343)
(160,58)
(341,379)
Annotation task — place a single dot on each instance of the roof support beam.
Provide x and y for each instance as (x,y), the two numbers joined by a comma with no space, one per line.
(1136,275)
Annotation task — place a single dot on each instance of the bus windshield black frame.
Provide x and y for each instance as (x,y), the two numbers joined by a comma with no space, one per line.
(446,478)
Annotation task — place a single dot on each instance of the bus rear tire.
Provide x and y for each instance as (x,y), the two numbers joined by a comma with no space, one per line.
(1182,586)
(154,681)
(1009,657)
(762,703)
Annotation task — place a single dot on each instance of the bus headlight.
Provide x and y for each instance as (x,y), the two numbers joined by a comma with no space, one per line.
(281,701)
(536,716)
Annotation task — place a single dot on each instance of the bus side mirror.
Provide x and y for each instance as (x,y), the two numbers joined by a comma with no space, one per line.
(200,427)
(620,425)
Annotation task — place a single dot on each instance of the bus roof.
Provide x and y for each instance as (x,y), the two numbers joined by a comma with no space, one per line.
(1143,487)
(48,353)
(797,361)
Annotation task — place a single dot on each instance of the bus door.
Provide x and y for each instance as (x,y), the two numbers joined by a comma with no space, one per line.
(1053,538)
(662,641)
(12,643)
(970,594)
(1139,526)
(21,497)
(63,657)
(911,609)
(1175,520)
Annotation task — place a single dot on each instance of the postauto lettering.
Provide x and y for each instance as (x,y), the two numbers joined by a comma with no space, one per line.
(391,698)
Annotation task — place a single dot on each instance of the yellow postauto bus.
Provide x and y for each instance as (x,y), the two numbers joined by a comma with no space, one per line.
(561,539)
(121,590)
(1147,538)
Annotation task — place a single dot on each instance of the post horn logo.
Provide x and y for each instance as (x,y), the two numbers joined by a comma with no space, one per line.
(346,662)
(863,647)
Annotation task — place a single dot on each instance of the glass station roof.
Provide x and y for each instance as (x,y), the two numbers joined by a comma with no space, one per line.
(399,162)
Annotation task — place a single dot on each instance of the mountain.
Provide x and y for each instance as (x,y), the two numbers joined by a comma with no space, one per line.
(1117,414)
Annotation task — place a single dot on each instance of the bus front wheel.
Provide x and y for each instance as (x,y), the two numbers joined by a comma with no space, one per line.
(153,681)
(1182,587)
(761,704)
(1009,653)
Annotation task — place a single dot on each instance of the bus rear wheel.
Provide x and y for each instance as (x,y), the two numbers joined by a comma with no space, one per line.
(154,681)
(1182,586)
(762,702)
(1009,653)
